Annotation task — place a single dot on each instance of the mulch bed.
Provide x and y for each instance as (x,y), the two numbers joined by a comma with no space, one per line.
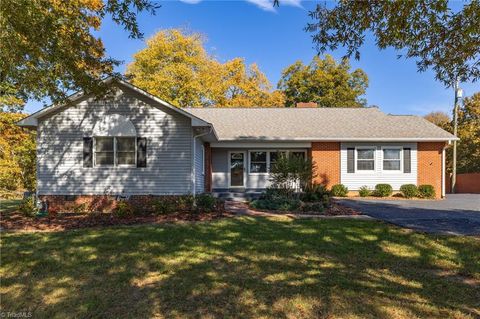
(385,198)
(65,221)
(335,209)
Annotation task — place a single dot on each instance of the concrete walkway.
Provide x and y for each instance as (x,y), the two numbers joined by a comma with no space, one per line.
(457,214)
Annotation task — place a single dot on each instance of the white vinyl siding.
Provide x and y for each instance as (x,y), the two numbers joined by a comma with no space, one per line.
(60,149)
(370,178)
(199,167)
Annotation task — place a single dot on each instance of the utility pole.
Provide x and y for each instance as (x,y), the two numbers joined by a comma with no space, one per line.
(458,95)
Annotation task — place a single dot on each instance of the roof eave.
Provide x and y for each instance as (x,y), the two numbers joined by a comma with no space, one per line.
(337,139)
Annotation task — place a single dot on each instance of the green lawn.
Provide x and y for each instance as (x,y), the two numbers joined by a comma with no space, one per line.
(242,267)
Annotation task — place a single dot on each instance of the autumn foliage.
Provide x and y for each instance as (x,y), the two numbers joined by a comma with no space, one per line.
(17,154)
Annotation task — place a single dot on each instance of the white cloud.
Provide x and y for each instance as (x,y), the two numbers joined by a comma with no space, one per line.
(293,3)
(266,5)
(191,1)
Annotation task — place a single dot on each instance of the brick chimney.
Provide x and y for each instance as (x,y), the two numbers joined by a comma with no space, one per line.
(307,105)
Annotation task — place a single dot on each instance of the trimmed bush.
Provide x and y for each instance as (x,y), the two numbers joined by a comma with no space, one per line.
(339,190)
(383,190)
(28,207)
(409,190)
(206,203)
(123,210)
(426,191)
(364,191)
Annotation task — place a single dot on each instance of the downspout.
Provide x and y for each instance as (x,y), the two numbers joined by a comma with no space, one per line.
(443,171)
(194,179)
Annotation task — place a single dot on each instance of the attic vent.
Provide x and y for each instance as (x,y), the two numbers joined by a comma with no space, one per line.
(307,104)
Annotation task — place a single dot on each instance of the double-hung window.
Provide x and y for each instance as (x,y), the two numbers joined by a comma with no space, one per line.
(258,162)
(365,159)
(125,150)
(115,151)
(392,159)
(104,151)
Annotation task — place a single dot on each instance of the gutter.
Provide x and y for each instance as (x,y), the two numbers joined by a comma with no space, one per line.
(339,139)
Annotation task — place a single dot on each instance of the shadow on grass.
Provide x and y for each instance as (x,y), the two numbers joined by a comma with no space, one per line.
(242,267)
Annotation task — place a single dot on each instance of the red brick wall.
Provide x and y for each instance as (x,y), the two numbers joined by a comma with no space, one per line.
(79,203)
(430,165)
(326,157)
(208,168)
(95,203)
(466,183)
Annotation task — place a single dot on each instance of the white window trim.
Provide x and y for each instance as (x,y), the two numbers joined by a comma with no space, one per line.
(269,164)
(363,171)
(389,171)
(114,153)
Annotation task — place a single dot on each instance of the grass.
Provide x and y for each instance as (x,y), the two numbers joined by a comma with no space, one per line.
(242,267)
(8,205)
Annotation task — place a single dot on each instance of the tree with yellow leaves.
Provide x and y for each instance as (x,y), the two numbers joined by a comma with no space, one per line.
(48,47)
(176,67)
(17,154)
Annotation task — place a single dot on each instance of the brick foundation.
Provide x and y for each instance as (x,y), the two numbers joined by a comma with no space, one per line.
(326,157)
(96,203)
(430,165)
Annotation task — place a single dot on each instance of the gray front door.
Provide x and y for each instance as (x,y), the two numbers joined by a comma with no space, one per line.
(237,169)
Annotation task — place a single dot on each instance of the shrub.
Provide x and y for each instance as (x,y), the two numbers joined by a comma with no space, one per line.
(28,206)
(339,190)
(313,207)
(276,204)
(364,191)
(409,190)
(186,203)
(123,209)
(383,190)
(164,205)
(205,203)
(277,193)
(292,172)
(315,193)
(426,191)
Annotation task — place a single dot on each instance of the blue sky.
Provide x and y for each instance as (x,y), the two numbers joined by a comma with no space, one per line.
(274,38)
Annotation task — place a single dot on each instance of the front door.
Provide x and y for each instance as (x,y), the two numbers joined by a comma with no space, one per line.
(237,169)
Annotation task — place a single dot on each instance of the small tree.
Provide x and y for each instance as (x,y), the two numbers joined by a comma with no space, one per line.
(292,172)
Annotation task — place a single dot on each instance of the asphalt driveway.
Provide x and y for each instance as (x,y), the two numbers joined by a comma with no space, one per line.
(457,214)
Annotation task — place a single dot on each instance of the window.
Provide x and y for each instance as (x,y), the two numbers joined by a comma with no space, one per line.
(391,159)
(104,151)
(365,159)
(110,151)
(258,162)
(125,150)
(262,161)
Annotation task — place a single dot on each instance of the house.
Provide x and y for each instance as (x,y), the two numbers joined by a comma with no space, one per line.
(135,144)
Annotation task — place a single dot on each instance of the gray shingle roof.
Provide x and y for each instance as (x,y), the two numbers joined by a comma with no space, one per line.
(317,124)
